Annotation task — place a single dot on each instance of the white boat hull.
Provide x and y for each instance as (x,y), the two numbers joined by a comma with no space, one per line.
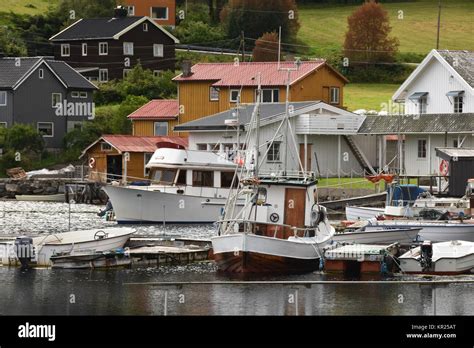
(362,213)
(41,198)
(379,236)
(133,205)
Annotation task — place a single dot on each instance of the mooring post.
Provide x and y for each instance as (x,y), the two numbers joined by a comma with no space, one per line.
(165,311)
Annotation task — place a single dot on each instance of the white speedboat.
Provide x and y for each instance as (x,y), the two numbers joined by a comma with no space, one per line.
(44,247)
(381,235)
(452,257)
(185,187)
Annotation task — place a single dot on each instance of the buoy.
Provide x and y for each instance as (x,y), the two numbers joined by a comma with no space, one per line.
(92,162)
(444,167)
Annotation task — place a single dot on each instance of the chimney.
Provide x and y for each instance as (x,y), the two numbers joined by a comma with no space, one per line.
(120,12)
(186,67)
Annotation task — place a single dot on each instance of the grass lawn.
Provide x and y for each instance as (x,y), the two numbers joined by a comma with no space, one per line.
(324,26)
(367,96)
(27,6)
(359,183)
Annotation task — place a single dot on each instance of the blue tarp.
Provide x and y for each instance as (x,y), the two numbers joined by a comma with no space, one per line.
(405,193)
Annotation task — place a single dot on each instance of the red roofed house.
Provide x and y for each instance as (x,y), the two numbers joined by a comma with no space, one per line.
(154,118)
(209,88)
(107,160)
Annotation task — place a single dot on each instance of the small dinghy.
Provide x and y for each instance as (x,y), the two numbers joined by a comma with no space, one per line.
(91,259)
(379,235)
(445,258)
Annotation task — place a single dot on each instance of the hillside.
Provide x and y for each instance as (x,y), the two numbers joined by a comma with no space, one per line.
(323,26)
(26,6)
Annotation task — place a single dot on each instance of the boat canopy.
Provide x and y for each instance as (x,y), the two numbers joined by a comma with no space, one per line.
(187,158)
(405,193)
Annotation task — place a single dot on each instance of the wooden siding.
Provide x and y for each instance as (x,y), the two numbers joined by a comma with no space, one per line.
(143,128)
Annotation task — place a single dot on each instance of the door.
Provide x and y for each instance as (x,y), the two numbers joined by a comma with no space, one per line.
(309,148)
(295,202)
(114,167)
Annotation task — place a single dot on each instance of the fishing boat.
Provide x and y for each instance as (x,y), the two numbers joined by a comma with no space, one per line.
(446,258)
(39,250)
(280,228)
(382,235)
(91,259)
(60,197)
(184,187)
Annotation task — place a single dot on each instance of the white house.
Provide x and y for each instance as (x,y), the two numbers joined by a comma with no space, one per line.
(326,136)
(442,84)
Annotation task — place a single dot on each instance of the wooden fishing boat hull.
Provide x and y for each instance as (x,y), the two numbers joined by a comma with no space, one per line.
(94,260)
(249,253)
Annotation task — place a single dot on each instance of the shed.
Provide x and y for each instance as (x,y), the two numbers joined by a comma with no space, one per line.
(461,167)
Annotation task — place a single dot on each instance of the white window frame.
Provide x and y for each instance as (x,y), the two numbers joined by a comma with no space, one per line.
(230,95)
(273,95)
(167,129)
(3,125)
(65,50)
(128,48)
(75,94)
(102,51)
(157,73)
(418,149)
(107,148)
(422,104)
(161,19)
(84,48)
(44,135)
(279,153)
(157,52)
(458,103)
(126,72)
(55,105)
(145,27)
(216,90)
(107,75)
(6,98)
(334,98)
(83,95)
(41,73)
(146,170)
(131,10)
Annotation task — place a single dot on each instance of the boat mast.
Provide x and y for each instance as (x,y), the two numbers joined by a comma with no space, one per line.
(257,127)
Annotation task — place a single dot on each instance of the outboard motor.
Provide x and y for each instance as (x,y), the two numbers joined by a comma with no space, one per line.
(426,255)
(24,250)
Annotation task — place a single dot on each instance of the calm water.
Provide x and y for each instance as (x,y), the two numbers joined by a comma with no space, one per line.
(49,292)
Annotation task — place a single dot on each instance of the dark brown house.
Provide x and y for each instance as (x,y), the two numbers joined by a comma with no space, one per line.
(104,49)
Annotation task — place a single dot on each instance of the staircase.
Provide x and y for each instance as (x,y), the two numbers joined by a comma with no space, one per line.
(363,161)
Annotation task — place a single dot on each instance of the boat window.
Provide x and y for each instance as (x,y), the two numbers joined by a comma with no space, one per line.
(226,179)
(163,176)
(181,177)
(203,178)
(262,196)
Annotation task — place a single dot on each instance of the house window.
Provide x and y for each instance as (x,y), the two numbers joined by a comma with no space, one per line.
(41,73)
(75,94)
(126,72)
(157,50)
(56,98)
(157,73)
(46,129)
(131,10)
(274,152)
(147,157)
(84,49)
(105,147)
(421,148)
(203,178)
(234,95)
(334,95)
(92,79)
(103,48)
(422,105)
(103,75)
(226,179)
(159,12)
(269,95)
(458,101)
(3,98)
(201,147)
(145,26)
(128,48)
(74,125)
(65,50)
(455,143)
(213,147)
(83,95)
(213,93)
(161,128)
(3,125)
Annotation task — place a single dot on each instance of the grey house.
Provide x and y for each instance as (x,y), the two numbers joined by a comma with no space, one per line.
(48,94)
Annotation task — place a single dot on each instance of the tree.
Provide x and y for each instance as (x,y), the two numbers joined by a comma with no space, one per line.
(266,48)
(199,33)
(367,38)
(256,17)
(11,44)
(24,139)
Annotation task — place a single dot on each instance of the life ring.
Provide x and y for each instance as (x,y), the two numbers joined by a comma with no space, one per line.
(92,162)
(274,217)
(444,167)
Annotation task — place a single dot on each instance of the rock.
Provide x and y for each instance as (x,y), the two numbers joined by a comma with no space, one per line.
(38,191)
(24,189)
(11,187)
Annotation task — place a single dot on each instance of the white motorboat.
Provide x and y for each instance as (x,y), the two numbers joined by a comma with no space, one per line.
(381,235)
(185,187)
(39,250)
(91,259)
(362,213)
(452,257)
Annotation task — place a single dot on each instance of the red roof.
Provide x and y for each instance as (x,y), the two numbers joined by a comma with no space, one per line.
(157,109)
(244,74)
(131,143)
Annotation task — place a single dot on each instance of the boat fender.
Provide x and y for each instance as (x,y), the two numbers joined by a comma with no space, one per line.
(383,267)
(321,263)
(317,216)
(274,217)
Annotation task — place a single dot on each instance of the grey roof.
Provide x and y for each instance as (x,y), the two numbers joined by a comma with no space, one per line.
(11,73)
(217,121)
(415,124)
(449,152)
(96,28)
(462,62)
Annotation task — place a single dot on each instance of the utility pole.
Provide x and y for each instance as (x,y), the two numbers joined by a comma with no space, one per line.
(242,40)
(439,23)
